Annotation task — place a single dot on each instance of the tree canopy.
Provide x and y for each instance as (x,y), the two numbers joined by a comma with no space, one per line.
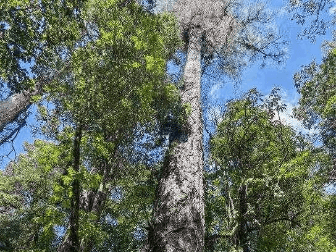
(96,69)
(113,83)
(317,104)
(268,181)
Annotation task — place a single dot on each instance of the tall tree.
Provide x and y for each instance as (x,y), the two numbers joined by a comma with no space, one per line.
(235,34)
(114,84)
(317,106)
(95,96)
(27,35)
(317,103)
(266,191)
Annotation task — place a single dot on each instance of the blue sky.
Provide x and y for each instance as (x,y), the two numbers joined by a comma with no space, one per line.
(300,52)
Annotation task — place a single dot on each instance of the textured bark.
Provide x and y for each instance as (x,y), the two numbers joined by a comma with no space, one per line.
(11,108)
(71,243)
(14,105)
(178,223)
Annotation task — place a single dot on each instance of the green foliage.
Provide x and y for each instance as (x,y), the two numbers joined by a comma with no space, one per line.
(24,39)
(27,185)
(91,231)
(316,83)
(133,210)
(118,77)
(110,83)
(330,108)
(317,80)
(37,199)
(283,201)
(317,103)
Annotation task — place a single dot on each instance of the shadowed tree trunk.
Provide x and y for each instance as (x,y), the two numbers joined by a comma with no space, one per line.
(242,240)
(71,243)
(178,223)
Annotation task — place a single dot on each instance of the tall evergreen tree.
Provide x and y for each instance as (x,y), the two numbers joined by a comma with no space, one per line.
(235,34)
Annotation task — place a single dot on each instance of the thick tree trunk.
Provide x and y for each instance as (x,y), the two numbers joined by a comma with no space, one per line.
(178,223)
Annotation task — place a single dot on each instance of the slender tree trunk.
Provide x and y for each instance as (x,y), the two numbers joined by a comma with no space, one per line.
(242,226)
(14,105)
(94,202)
(178,223)
(11,108)
(98,200)
(71,242)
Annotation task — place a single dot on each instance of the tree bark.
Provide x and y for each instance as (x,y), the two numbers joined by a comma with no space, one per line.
(11,107)
(14,105)
(178,220)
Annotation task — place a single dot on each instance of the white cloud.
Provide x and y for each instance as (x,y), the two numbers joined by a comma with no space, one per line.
(287,117)
(214,91)
(332,10)
(291,99)
(215,114)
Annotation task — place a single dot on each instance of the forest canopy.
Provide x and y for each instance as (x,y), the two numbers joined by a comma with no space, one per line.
(121,162)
